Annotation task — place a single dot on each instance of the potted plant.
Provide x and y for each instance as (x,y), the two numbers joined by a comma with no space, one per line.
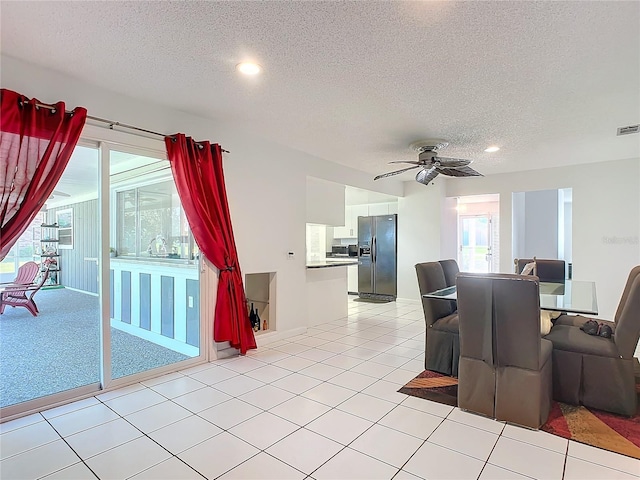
(112,252)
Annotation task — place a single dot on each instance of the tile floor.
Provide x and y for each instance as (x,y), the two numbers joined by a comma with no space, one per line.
(323,405)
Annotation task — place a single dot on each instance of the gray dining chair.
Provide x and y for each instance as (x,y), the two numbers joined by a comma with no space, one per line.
(595,371)
(547,270)
(505,367)
(442,347)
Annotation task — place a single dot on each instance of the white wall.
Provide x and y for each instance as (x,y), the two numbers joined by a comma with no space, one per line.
(540,225)
(606,218)
(419,216)
(567,208)
(266,182)
(449,229)
(517,225)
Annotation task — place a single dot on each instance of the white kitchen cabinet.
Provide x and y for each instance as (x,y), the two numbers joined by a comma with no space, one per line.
(352,212)
(352,278)
(347,230)
(357,211)
(325,202)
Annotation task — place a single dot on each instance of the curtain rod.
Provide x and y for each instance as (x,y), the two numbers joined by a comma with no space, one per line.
(112,123)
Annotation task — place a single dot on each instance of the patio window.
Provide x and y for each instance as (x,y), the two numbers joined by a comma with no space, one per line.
(150,223)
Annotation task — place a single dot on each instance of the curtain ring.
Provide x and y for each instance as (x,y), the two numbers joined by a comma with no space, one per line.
(53,110)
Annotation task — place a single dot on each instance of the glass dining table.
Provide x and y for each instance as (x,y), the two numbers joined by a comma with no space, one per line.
(570,296)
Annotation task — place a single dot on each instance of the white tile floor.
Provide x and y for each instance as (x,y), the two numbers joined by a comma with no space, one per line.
(323,405)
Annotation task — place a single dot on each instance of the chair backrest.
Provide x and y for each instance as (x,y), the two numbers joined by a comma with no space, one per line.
(431,278)
(17,291)
(500,319)
(475,314)
(627,332)
(26,273)
(450,269)
(547,270)
(517,321)
(635,271)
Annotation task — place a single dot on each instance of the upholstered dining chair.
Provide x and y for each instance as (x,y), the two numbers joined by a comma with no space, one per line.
(595,371)
(442,348)
(505,367)
(16,295)
(547,270)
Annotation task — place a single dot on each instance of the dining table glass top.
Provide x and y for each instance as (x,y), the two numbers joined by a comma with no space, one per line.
(571,296)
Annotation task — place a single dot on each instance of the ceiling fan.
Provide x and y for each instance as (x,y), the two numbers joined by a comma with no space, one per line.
(431,165)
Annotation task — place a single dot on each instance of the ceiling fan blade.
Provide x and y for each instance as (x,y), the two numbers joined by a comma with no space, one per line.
(459,172)
(425,176)
(410,162)
(60,194)
(397,172)
(452,162)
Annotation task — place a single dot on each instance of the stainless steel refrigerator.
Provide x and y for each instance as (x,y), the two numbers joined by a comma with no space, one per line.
(377,257)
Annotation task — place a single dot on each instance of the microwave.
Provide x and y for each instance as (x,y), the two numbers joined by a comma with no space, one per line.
(345,250)
(340,249)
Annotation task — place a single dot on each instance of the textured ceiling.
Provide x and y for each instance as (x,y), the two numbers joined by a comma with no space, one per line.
(357,82)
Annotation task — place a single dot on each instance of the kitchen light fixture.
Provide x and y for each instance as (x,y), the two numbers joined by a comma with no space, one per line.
(248,68)
(492,149)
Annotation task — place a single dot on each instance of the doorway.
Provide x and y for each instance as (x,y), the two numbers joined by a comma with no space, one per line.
(475,243)
(478,233)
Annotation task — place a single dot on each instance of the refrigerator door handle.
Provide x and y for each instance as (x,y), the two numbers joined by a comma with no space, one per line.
(373,250)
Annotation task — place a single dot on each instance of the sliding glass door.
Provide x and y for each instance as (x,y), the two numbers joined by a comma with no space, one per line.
(154,288)
(53,350)
(120,294)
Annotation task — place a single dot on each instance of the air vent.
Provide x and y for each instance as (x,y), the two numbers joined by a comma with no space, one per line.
(628,130)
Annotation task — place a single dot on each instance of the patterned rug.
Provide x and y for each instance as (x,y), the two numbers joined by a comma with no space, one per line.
(593,427)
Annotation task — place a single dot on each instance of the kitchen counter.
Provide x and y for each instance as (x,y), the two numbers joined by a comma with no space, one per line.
(327,290)
(333,262)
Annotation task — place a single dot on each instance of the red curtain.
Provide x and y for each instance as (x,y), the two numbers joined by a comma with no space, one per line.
(197,171)
(36,143)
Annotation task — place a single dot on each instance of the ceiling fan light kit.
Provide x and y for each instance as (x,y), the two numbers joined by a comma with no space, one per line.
(432,165)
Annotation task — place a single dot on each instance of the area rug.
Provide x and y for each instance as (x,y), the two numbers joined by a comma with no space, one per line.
(585,425)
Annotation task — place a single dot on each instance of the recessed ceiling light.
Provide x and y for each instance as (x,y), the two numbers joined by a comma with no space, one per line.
(249,68)
(492,149)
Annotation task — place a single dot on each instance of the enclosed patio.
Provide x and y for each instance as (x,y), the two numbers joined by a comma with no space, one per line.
(60,348)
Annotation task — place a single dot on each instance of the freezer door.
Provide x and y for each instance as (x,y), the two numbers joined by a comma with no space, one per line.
(365,272)
(365,275)
(384,255)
